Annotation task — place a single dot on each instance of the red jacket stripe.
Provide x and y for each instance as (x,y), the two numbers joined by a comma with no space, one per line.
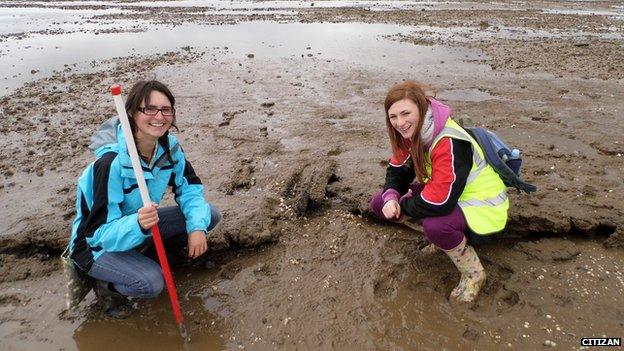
(438,189)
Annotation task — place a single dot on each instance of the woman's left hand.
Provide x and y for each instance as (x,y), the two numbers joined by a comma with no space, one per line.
(407,195)
(197,243)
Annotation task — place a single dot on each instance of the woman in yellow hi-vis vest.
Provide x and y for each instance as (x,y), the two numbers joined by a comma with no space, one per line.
(457,195)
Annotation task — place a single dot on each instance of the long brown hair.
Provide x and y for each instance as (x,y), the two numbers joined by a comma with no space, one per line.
(417,93)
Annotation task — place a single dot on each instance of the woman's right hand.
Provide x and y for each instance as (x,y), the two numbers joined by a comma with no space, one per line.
(392,209)
(148,216)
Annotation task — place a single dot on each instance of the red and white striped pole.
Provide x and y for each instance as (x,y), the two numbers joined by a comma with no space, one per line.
(138,172)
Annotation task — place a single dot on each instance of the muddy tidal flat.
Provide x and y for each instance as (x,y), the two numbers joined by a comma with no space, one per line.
(280,109)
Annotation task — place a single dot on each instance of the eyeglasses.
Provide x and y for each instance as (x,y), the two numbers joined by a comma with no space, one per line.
(153,111)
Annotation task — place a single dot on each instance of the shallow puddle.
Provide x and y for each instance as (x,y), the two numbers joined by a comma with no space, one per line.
(15,20)
(38,56)
(619,14)
(152,323)
(241,4)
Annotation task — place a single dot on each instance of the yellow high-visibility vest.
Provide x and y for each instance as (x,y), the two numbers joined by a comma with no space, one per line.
(484,201)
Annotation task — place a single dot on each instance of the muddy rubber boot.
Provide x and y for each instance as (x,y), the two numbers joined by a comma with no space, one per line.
(114,304)
(472,273)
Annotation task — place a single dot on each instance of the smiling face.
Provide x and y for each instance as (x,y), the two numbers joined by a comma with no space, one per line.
(150,128)
(404,117)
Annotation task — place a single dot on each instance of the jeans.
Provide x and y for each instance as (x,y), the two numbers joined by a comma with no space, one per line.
(136,275)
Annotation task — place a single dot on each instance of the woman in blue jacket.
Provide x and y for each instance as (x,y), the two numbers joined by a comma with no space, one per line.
(110,233)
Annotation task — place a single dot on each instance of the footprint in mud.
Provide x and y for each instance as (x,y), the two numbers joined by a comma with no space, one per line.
(264,131)
(386,284)
(549,249)
(267,104)
(268,108)
(229,116)
(243,178)
(562,300)
(335,151)
(230,271)
(496,291)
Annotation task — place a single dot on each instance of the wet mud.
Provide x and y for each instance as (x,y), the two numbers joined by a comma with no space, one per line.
(291,148)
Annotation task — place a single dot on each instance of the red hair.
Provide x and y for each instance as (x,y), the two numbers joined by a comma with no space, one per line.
(416,92)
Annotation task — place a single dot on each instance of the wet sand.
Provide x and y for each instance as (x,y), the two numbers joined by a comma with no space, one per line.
(280,110)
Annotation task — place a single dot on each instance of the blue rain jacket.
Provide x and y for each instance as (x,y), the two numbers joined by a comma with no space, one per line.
(108,197)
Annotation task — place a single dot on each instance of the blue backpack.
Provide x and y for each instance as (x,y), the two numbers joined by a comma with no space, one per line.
(505,161)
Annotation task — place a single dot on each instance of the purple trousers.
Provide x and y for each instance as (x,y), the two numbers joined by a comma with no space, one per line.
(445,232)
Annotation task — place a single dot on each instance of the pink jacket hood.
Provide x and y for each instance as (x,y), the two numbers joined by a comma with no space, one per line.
(441,114)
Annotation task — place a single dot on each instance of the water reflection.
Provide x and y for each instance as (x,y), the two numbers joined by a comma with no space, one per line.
(20,19)
(244,4)
(38,56)
(151,327)
(583,12)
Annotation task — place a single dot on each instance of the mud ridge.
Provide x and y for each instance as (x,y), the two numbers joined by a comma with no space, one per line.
(536,227)
(306,189)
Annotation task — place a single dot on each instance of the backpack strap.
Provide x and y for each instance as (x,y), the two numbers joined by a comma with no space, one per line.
(476,157)
(489,151)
